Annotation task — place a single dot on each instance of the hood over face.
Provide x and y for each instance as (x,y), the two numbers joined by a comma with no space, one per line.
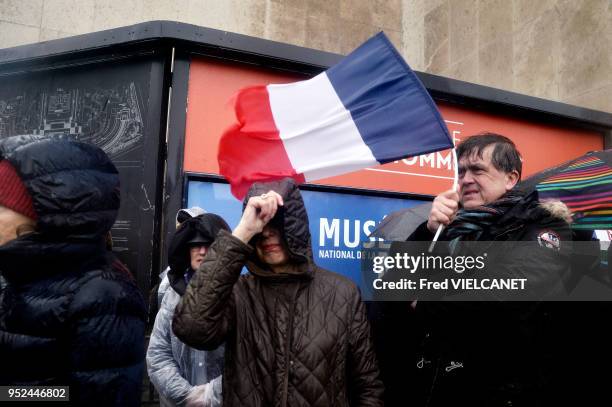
(291,220)
(202,228)
(74,186)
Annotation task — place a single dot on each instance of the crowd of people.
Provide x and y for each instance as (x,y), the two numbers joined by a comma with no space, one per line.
(286,332)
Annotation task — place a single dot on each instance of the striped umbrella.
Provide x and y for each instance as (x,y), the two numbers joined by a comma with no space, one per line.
(583,184)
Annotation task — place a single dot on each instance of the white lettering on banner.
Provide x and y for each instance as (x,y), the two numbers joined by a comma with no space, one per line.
(368,227)
(439,160)
(410,160)
(428,158)
(352,231)
(339,254)
(328,232)
(347,234)
(433,160)
(436,160)
(445,161)
(456,140)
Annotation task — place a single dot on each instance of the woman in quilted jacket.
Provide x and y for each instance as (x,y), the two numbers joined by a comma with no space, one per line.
(295,334)
(70,314)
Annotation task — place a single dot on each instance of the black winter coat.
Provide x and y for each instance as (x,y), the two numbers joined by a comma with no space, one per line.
(70,314)
(480,353)
(291,339)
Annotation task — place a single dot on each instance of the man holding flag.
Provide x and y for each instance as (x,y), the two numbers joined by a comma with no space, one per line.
(485,353)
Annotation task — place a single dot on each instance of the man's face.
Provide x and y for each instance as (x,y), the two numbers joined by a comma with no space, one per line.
(270,247)
(197,253)
(10,221)
(480,182)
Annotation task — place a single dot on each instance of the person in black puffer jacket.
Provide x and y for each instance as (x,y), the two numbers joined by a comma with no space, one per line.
(68,315)
(493,351)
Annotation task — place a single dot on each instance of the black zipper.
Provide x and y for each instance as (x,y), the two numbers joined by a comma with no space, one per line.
(508,231)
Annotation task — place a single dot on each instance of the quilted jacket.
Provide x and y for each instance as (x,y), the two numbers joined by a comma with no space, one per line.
(298,339)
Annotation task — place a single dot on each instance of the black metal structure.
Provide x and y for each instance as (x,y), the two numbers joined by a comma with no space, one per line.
(164,50)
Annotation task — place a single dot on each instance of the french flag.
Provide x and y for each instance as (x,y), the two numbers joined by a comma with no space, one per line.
(367,110)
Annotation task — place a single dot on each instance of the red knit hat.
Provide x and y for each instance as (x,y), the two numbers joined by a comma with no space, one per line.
(13,194)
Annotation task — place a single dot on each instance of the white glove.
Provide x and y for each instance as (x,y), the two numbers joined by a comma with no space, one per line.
(198,396)
(204,395)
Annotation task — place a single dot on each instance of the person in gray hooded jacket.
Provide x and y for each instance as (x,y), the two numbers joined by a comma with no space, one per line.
(181,216)
(181,374)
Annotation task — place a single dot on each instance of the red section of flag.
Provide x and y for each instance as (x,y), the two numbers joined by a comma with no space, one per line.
(252,150)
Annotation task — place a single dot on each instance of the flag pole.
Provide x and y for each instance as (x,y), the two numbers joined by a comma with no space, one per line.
(455,187)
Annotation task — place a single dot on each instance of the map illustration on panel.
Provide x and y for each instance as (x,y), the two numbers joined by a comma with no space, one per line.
(109,118)
(105,104)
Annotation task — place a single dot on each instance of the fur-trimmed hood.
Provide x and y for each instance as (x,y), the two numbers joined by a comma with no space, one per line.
(557,209)
(529,210)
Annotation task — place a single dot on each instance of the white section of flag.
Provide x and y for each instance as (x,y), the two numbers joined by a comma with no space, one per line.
(320,137)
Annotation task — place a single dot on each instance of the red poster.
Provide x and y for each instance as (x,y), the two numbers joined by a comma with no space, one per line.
(212,86)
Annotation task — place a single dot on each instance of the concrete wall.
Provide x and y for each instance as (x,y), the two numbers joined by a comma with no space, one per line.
(553,49)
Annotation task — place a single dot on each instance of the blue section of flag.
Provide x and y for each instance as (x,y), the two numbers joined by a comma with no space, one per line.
(388,103)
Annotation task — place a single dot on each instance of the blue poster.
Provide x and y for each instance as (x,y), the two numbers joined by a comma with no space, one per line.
(339,222)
